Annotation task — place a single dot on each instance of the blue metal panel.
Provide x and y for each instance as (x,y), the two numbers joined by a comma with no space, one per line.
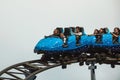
(54,44)
(107,39)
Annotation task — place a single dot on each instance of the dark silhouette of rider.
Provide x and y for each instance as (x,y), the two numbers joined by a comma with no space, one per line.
(78,34)
(116,34)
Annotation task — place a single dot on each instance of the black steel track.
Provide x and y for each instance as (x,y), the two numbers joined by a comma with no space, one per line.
(27,70)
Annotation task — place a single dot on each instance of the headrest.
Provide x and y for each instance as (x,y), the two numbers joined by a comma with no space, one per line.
(73,29)
(60,29)
(106,30)
(67,31)
(81,29)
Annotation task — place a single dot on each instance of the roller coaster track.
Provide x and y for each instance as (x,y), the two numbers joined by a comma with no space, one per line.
(28,70)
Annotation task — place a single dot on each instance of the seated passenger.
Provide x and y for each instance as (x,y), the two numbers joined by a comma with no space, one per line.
(96,32)
(59,33)
(78,34)
(56,33)
(115,34)
(99,35)
(101,31)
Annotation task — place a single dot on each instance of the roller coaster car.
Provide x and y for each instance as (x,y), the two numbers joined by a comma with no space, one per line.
(88,44)
(54,44)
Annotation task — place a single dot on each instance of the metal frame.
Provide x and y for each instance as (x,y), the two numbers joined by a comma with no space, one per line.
(28,70)
(92,68)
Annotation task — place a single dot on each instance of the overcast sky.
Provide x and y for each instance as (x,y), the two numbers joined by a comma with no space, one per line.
(24,22)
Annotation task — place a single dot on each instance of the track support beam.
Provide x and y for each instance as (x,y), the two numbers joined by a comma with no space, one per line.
(92,68)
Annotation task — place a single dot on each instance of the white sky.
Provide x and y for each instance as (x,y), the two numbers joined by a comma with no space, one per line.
(24,22)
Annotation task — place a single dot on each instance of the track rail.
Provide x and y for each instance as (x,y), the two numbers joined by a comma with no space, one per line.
(27,70)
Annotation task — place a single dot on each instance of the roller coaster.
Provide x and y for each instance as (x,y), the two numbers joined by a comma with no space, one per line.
(72,45)
(67,46)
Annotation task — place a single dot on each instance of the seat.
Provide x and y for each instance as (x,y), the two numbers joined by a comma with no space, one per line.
(60,29)
(98,38)
(106,30)
(82,29)
(67,31)
(115,40)
(72,29)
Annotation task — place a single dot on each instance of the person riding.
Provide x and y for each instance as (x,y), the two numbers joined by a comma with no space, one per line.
(56,33)
(101,31)
(96,32)
(78,34)
(116,34)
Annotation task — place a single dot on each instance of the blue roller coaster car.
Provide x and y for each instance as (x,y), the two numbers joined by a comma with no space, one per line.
(88,43)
